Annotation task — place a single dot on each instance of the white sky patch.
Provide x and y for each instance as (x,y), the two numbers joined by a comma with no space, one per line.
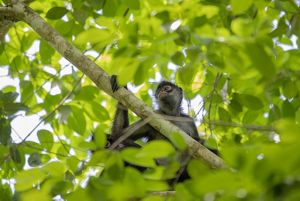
(175,25)
(34,48)
(49,70)
(22,125)
(7,81)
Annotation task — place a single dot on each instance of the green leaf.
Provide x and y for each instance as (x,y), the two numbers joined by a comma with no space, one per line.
(46,139)
(63,151)
(186,74)
(15,154)
(133,156)
(178,140)
(138,188)
(274,113)
(56,13)
(196,168)
(100,137)
(250,116)
(224,114)
(8,97)
(289,89)
(26,179)
(125,68)
(34,160)
(87,93)
(261,60)
(156,186)
(35,194)
(5,132)
(298,116)
(27,41)
(240,6)
(288,110)
(178,58)
(46,52)
(132,4)
(55,169)
(61,187)
(27,92)
(5,192)
(80,15)
(11,108)
(157,149)
(96,111)
(77,120)
(242,27)
(64,28)
(251,102)
(93,36)
(235,106)
(72,163)
(110,8)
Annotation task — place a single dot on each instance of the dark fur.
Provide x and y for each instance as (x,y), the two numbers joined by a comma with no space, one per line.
(169,97)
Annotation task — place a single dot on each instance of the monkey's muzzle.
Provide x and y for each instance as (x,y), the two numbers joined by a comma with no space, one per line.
(163,95)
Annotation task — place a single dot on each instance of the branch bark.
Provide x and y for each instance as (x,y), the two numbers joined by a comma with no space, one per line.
(102,80)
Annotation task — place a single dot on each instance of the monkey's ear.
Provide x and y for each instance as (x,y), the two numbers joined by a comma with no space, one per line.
(180,89)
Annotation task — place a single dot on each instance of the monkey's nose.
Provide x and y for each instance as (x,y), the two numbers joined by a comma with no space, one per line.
(162,95)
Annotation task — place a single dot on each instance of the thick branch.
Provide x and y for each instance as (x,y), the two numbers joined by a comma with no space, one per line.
(7,16)
(102,80)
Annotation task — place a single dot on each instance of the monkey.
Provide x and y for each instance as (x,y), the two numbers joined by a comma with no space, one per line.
(169,98)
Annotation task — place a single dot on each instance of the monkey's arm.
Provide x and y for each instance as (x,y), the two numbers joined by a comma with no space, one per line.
(120,122)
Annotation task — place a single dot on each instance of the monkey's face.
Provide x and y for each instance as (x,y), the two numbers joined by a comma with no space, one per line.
(164,92)
(169,97)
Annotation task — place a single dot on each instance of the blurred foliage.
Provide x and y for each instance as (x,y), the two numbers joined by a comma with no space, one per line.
(240,56)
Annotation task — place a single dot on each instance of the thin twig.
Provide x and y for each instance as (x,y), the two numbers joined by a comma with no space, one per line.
(163,193)
(128,132)
(246,126)
(218,77)
(54,110)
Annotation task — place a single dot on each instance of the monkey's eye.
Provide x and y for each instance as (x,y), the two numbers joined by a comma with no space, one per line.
(167,88)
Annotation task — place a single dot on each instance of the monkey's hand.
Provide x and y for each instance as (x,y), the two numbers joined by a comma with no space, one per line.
(114,83)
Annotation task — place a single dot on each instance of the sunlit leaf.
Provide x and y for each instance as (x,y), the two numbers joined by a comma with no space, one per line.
(96,111)
(55,169)
(178,141)
(99,137)
(35,194)
(26,179)
(133,156)
(94,36)
(157,149)
(239,6)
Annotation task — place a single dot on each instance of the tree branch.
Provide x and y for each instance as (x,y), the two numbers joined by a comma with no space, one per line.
(102,80)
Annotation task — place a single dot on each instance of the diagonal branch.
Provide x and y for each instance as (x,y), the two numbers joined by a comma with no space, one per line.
(102,80)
